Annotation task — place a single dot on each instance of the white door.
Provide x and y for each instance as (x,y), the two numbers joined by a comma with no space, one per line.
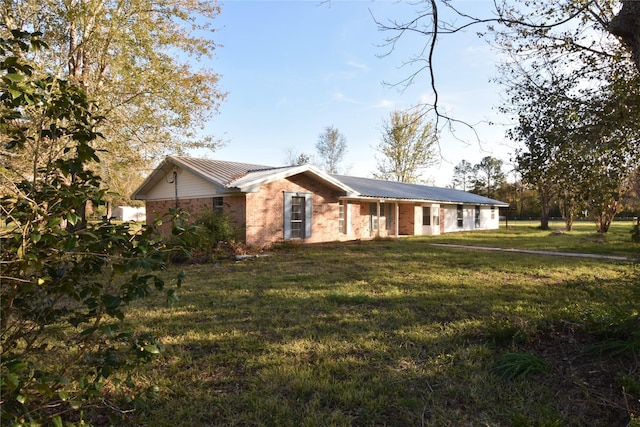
(435,220)
(431,220)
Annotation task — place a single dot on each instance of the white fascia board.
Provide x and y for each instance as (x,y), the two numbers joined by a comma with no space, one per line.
(386,200)
(250,183)
(356,197)
(150,180)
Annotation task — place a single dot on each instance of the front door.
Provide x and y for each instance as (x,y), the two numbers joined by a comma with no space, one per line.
(431,220)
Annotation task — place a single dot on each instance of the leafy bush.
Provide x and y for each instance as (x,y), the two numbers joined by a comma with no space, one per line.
(215,227)
(213,236)
(65,282)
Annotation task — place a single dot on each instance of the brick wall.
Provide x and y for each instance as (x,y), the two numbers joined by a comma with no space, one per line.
(260,216)
(407,219)
(160,209)
(360,220)
(265,211)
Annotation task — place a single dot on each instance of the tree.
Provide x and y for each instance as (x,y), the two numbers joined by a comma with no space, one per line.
(140,61)
(564,31)
(626,25)
(633,202)
(63,291)
(532,166)
(295,158)
(543,130)
(488,176)
(632,199)
(407,146)
(331,148)
(463,175)
(580,143)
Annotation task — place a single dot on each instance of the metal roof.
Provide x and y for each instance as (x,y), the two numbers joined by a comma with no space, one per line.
(375,188)
(249,177)
(219,170)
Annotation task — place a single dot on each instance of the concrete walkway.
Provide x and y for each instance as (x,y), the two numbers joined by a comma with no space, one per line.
(528,251)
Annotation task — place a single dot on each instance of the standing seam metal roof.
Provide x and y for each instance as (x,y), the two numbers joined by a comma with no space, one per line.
(229,173)
(218,170)
(368,187)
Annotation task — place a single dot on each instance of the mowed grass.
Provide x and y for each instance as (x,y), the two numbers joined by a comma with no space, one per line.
(397,333)
(527,235)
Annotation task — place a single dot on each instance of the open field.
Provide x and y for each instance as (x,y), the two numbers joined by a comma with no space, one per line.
(402,333)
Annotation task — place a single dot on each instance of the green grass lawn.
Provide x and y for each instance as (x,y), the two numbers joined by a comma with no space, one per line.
(403,333)
(526,235)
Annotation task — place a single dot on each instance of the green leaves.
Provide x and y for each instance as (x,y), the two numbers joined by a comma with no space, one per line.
(66,282)
(408,146)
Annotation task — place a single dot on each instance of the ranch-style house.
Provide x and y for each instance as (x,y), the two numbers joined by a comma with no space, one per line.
(303,203)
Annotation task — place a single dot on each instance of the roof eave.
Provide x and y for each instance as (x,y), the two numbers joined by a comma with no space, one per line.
(254,185)
(356,196)
(138,194)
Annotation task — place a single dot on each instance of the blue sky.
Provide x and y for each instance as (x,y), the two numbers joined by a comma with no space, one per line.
(292,68)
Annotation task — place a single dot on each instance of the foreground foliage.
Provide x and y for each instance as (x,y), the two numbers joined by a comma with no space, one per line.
(399,332)
(64,283)
(142,61)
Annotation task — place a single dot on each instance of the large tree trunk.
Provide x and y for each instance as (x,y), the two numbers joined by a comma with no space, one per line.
(627,26)
(544,213)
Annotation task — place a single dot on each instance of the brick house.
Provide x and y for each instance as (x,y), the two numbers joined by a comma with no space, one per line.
(271,204)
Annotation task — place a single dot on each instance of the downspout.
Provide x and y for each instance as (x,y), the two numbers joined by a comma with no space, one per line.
(175,186)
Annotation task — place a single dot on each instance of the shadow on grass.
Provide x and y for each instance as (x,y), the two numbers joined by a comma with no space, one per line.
(384,333)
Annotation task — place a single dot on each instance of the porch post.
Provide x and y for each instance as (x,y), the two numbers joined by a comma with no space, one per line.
(378,218)
(397,220)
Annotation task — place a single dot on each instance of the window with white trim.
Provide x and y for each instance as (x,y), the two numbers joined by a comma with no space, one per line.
(460,216)
(297,215)
(426,215)
(373,217)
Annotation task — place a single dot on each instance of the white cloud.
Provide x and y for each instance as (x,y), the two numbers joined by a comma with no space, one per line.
(383,103)
(358,65)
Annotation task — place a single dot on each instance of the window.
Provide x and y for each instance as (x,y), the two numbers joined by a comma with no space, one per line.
(297,215)
(493,212)
(373,217)
(341,215)
(460,216)
(477,216)
(218,205)
(426,215)
(385,221)
(436,217)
